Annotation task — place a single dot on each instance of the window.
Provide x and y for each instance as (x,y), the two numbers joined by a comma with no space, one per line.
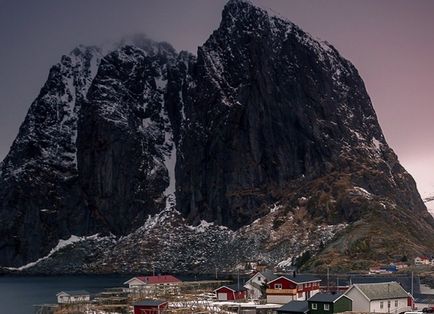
(277,286)
(314,306)
(388,304)
(396,303)
(381,304)
(326,307)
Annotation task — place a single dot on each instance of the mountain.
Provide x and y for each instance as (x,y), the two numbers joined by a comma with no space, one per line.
(263,146)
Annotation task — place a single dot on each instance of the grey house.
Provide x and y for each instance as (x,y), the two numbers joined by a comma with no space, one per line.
(386,297)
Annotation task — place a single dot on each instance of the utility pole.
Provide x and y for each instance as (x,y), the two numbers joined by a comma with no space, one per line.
(238,279)
(412,298)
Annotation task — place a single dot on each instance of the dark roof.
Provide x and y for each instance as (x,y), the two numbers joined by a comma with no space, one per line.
(160,279)
(149,303)
(404,281)
(383,290)
(325,297)
(346,280)
(294,306)
(75,292)
(302,278)
(269,275)
(424,298)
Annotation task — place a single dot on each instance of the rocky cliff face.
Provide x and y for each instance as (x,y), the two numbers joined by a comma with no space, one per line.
(125,138)
(271,105)
(266,125)
(38,176)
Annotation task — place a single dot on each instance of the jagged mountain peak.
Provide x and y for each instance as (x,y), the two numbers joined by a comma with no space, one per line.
(142,41)
(241,18)
(245,26)
(266,127)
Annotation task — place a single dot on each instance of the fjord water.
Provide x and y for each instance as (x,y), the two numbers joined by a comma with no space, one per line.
(19,294)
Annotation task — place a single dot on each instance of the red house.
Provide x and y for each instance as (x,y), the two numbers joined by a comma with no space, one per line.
(150,307)
(286,288)
(231,293)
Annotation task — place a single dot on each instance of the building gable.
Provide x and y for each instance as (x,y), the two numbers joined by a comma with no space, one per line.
(135,281)
(282,283)
(355,288)
(256,278)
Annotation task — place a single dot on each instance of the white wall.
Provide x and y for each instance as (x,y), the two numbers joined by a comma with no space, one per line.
(420,306)
(279,299)
(375,306)
(72,299)
(136,283)
(253,292)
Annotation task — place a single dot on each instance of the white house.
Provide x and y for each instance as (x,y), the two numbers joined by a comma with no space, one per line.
(146,281)
(422,260)
(257,284)
(73,296)
(384,297)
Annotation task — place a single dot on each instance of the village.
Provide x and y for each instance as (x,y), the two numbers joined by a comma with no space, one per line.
(384,289)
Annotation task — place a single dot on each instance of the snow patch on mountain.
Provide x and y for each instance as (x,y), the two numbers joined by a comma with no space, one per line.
(61,245)
(357,190)
(170,163)
(185,247)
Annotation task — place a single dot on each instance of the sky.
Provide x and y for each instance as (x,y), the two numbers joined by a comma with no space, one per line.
(391,42)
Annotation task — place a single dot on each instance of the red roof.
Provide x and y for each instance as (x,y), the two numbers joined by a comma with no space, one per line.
(158,279)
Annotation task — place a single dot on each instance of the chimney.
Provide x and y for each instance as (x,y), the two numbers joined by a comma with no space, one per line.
(294,274)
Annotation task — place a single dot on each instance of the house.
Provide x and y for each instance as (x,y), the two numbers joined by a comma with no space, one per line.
(385,297)
(328,303)
(230,293)
(422,261)
(73,296)
(294,307)
(423,301)
(144,281)
(287,288)
(407,282)
(380,270)
(399,265)
(150,307)
(341,283)
(257,284)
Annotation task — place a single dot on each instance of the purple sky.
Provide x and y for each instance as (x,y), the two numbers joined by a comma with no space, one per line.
(391,42)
